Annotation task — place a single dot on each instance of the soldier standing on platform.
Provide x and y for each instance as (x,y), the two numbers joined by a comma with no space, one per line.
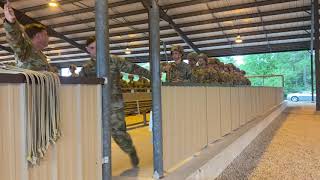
(212,67)
(72,69)
(26,43)
(193,59)
(142,82)
(123,83)
(117,122)
(200,73)
(132,84)
(178,71)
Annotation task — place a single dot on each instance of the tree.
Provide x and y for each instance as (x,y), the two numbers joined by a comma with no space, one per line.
(295,66)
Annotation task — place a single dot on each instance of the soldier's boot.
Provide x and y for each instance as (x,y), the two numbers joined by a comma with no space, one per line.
(134,159)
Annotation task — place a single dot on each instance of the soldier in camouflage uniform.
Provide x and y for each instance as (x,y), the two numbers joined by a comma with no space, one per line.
(27,44)
(117,122)
(178,71)
(193,59)
(72,69)
(200,73)
(143,82)
(245,80)
(132,84)
(123,83)
(213,76)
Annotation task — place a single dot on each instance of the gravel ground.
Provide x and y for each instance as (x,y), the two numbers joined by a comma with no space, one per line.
(288,149)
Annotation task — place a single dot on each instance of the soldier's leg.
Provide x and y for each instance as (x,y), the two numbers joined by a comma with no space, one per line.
(120,135)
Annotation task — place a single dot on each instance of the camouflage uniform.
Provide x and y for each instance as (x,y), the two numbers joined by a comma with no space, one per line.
(143,83)
(193,59)
(132,84)
(199,75)
(213,75)
(74,75)
(117,122)
(123,83)
(213,69)
(179,72)
(25,54)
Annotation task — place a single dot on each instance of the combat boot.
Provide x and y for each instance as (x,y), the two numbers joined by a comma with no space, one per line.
(134,159)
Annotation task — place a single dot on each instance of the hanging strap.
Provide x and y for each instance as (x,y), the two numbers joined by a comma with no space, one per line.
(42,107)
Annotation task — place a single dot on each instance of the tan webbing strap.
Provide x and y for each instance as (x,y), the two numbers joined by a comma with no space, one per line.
(42,107)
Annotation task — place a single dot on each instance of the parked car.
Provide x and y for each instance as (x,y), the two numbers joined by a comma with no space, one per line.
(301,96)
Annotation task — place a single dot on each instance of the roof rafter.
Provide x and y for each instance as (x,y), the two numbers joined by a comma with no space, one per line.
(24,19)
(186,3)
(193,13)
(296,46)
(264,28)
(173,25)
(290,10)
(216,37)
(245,16)
(230,8)
(226,43)
(42,6)
(278,38)
(226,28)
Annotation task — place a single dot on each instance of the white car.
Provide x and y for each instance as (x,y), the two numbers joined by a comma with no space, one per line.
(302,96)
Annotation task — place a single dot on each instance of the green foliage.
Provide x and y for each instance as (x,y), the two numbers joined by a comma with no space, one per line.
(295,66)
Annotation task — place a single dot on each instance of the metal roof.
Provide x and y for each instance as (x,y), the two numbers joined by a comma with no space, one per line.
(209,26)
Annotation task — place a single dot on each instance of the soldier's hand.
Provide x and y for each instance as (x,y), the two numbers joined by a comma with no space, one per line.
(9,13)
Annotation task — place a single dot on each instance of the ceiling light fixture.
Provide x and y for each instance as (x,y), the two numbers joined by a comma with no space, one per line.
(238,39)
(132,35)
(53,3)
(127,51)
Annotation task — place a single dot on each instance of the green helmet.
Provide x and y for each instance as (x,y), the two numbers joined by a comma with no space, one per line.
(203,56)
(193,56)
(177,48)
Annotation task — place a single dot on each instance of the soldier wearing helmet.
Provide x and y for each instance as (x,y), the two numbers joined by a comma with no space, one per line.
(200,73)
(178,71)
(72,69)
(202,60)
(132,84)
(193,59)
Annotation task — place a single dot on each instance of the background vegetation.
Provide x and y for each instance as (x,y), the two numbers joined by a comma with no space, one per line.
(295,66)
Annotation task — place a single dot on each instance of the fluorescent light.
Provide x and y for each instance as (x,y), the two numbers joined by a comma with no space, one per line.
(238,39)
(127,51)
(53,3)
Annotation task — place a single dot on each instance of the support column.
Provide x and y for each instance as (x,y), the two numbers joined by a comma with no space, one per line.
(316,50)
(311,54)
(103,71)
(154,33)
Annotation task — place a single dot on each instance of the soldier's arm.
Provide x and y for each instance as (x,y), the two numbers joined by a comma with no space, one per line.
(130,68)
(83,71)
(16,39)
(188,73)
